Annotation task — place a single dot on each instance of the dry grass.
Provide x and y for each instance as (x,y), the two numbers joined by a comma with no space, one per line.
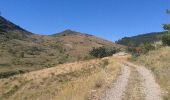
(159,62)
(73,81)
(89,88)
(47,51)
(79,89)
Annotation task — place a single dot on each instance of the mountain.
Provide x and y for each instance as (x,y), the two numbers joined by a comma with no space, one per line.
(67,32)
(140,39)
(22,51)
(9,30)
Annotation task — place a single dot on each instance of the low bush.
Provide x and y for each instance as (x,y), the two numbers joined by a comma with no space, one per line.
(166,39)
(144,48)
(102,52)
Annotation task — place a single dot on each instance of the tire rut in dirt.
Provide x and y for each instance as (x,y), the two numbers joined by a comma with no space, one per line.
(134,89)
(119,87)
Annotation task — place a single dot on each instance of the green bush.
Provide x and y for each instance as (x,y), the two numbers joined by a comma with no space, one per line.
(102,52)
(144,48)
(166,39)
(166,27)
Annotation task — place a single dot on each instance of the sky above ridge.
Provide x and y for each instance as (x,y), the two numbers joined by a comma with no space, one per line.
(108,19)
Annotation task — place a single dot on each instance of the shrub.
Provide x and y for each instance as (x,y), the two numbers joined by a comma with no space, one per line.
(166,27)
(166,39)
(144,48)
(102,52)
(98,52)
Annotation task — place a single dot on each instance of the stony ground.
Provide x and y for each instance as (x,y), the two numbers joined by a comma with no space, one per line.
(134,83)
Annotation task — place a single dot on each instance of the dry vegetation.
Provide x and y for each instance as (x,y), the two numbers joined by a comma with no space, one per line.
(25,53)
(73,81)
(22,51)
(38,52)
(159,62)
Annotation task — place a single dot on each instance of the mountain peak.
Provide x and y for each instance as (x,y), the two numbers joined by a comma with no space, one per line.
(9,30)
(67,32)
(8,26)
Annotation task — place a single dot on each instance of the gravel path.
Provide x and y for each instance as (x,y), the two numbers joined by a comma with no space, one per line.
(116,93)
(134,89)
(134,83)
(151,88)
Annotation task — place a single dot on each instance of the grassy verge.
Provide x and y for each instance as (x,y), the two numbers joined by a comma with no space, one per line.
(88,87)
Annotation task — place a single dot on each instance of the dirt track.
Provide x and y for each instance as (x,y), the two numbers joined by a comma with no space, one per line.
(134,83)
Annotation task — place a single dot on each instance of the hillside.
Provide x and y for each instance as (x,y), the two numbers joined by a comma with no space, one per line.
(140,39)
(71,81)
(9,30)
(22,51)
(110,78)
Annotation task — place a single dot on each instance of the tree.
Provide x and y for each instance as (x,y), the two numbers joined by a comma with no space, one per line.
(166,37)
(168,11)
(146,47)
(166,27)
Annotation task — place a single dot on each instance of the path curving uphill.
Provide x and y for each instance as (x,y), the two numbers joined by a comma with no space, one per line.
(134,83)
(151,89)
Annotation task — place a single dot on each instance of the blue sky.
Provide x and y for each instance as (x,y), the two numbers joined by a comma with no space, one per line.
(109,19)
